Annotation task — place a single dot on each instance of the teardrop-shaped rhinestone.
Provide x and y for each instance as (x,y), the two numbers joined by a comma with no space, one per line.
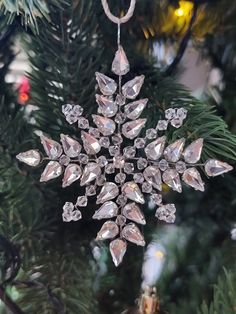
(51,171)
(120,64)
(71,147)
(107,210)
(134,109)
(173,152)
(192,177)
(91,172)
(107,85)
(105,125)
(72,173)
(153,176)
(192,153)
(52,148)
(132,129)
(215,167)
(118,248)
(132,88)
(132,212)
(132,233)
(132,192)
(109,191)
(91,144)
(172,179)
(107,106)
(154,150)
(108,231)
(30,157)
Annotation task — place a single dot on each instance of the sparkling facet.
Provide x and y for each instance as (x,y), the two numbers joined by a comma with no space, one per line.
(146,187)
(120,177)
(114,150)
(101,180)
(132,233)
(118,161)
(31,157)
(139,142)
(107,85)
(64,160)
(91,144)
(71,147)
(110,168)
(117,139)
(180,166)
(129,152)
(163,164)
(83,158)
(51,171)
(132,129)
(94,132)
(108,231)
(166,213)
(132,88)
(109,191)
(132,192)
(106,105)
(192,153)
(170,113)
(132,212)
(120,118)
(83,123)
(172,179)
(72,216)
(90,190)
(107,210)
(91,171)
(134,109)
(176,122)
(155,149)
(120,100)
(118,248)
(181,113)
(138,178)
(173,152)
(52,148)
(151,134)
(68,207)
(192,177)
(215,168)
(162,125)
(72,173)
(102,161)
(82,201)
(105,125)
(156,198)
(153,175)
(120,220)
(121,200)
(120,64)
(142,163)
(104,142)
(129,167)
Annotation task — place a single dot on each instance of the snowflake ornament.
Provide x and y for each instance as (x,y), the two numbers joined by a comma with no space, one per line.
(119,175)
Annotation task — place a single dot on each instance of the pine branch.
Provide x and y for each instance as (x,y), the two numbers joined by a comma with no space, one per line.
(13,307)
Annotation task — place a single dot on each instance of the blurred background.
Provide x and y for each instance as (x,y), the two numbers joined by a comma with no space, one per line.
(49,52)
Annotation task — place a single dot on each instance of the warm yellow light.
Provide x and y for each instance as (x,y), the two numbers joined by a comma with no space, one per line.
(185,7)
(159,254)
(179,12)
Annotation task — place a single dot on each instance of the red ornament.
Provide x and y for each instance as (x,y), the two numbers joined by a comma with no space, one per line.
(23,91)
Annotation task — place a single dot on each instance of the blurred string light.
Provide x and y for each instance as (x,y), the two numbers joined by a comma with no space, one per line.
(185,9)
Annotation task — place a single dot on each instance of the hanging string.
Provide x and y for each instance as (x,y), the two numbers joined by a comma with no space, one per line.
(116,19)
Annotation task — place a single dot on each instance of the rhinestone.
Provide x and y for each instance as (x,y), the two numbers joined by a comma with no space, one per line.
(51,171)
(31,157)
(120,220)
(109,191)
(71,147)
(173,152)
(94,132)
(171,178)
(110,168)
(52,148)
(66,109)
(132,212)
(82,201)
(106,84)
(72,173)
(64,160)
(180,166)
(101,180)
(102,161)
(163,165)
(90,190)
(132,192)
(139,142)
(77,110)
(91,171)
(70,118)
(153,176)
(104,142)
(132,88)
(151,134)
(142,163)
(181,113)
(192,177)
(166,213)
(114,150)
(118,248)
(120,118)
(121,200)
(192,153)
(129,152)
(156,198)
(132,233)
(134,109)
(138,178)
(120,177)
(118,161)
(105,125)
(162,125)
(91,144)
(107,210)
(155,149)
(106,105)
(120,100)
(170,113)
(132,129)
(68,207)
(117,139)
(83,123)
(146,187)
(128,167)
(108,231)
(215,168)
(176,123)
(83,159)
(120,64)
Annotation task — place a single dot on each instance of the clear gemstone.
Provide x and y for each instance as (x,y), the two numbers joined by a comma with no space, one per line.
(192,177)
(192,153)
(107,210)
(83,158)
(171,178)
(132,192)
(129,167)
(120,177)
(120,118)
(118,248)
(134,109)
(120,64)
(106,105)
(77,110)
(138,178)
(173,152)
(66,109)
(121,220)
(68,207)
(102,161)
(76,215)
(181,113)
(166,213)
(31,157)
(94,132)
(162,125)
(132,233)
(64,160)
(70,118)
(163,165)
(120,100)
(90,190)
(72,173)
(101,180)
(146,187)
(107,85)
(82,201)
(52,148)
(142,163)
(91,144)
(121,200)
(139,142)
(71,147)
(129,152)
(114,150)
(132,88)
(109,191)
(176,122)
(132,129)
(104,142)
(215,168)
(105,125)
(91,171)
(110,168)
(51,171)
(153,175)
(151,134)
(118,161)
(83,123)
(132,212)
(117,139)
(108,231)
(180,166)
(170,113)
(155,149)
(156,198)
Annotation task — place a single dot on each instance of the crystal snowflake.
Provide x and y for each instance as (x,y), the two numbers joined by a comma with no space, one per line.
(118,174)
